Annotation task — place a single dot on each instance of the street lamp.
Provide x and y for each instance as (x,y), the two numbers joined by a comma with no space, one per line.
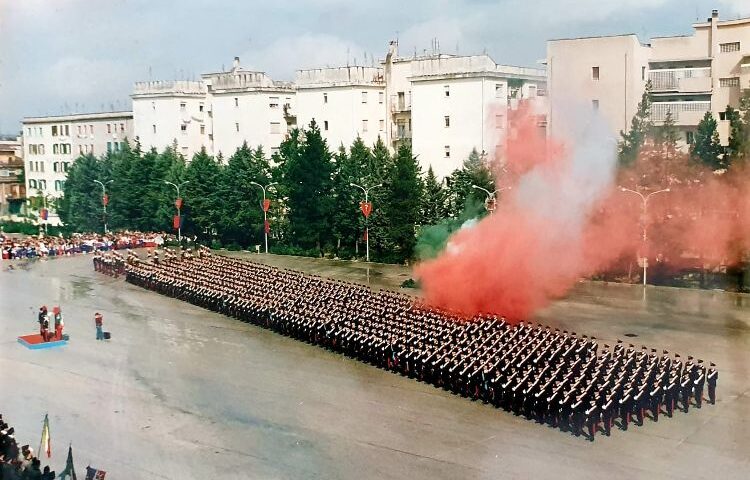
(264,206)
(490,195)
(366,209)
(105,200)
(178,204)
(644,198)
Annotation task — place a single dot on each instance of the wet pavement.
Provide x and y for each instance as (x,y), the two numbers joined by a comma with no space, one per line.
(184,393)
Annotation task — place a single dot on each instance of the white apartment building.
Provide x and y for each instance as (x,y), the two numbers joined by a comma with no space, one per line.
(346,103)
(247,106)
(690,75)
(449,105)
(51,144)
(170,113)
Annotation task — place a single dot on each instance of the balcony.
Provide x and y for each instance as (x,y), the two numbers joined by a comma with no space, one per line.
(682,80)
(683,113)
(401,103)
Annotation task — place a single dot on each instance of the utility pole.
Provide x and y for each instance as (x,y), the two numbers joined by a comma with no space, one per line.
(105,200)
(644,210)
(491,202)
(178,204)
(266,204)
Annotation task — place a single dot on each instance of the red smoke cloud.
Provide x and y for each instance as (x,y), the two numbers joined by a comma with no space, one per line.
(566,219)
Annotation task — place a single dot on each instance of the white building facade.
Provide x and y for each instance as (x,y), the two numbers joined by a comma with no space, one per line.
(690,75)
(171,113)
(51,144)
(345,102)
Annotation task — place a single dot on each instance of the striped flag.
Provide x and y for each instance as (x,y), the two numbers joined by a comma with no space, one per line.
(45,446)
(95,474)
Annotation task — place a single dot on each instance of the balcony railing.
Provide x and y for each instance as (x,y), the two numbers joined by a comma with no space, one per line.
(401,103)
(402,134)
(681,79)
(683,113)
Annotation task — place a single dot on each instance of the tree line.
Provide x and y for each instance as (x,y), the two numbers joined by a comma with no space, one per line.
(315,203)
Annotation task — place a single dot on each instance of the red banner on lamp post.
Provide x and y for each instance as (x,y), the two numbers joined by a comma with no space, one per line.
(366,208)
(178,203)
(266,226)
(266,204)
(44,213)
(176,222)
(105,199)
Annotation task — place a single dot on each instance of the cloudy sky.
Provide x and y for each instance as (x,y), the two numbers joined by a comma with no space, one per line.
(84,55)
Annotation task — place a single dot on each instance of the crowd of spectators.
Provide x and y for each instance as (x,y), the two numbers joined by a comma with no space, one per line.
(19,463)
(49,246)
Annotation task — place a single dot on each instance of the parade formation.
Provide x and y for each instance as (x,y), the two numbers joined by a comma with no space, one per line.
(558,378)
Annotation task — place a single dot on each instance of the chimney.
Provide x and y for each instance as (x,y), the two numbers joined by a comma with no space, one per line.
(236,63)
(714,13)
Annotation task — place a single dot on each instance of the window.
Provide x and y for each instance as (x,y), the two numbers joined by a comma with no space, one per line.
(729,47)
(364,125)
(54,130)
(117,146)
(499,90)
(447,89)
(91,129)
(79,130)
(31,166)
(66,166)
(41,150)
(28,130)
(447,120)
(237,127)
(67,130)
(236,102)
(643,73)
(273,102)
(532,91)
(325,125)
(66,148)
(447,151)
(722,115)
(185,151)
(122,128)
(80,149)
(499,122)
(729,82)
(183,106)
(42,183)
(59,185)
(153,105)
(41,167)
(109,147)
(203,129)
(200,107)
(55,166)
(55,148)
(595,104)
(154,127)
(381,96)
(595,73)
(325,98)
(109,128)
(91,149)
(183,129)
(381,125)
(275,127)
(689,137)
(364,97)
(32,183)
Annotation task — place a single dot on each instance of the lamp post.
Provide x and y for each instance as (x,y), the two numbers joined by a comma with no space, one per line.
(490,195)
(366,208)
(266,204)
(105,200)
(644,199)
(178,204)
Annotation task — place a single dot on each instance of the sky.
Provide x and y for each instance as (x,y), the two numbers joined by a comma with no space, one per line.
(64,56)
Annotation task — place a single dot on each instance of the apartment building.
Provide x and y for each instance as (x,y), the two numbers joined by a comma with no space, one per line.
(690,75)
(51,144)
(346,103)
(247,106)
(448,105)
(12,187)
(171,113)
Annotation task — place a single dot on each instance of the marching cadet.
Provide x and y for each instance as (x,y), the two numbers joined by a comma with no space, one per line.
(712,378)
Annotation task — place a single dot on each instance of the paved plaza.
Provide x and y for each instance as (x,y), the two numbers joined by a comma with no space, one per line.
(183,393)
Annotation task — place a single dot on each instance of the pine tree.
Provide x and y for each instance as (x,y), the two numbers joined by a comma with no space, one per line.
(669,135)
(240,212)
(433,202)
(745,115)
(461,193)
(202,198)
(80,208)
(737,135)
(309,180)
(170,167)
(640,128)
(345,209)
(707,147)
(403,206)
(378,172)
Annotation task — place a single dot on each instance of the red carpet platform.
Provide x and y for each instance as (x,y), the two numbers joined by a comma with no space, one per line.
(34,342)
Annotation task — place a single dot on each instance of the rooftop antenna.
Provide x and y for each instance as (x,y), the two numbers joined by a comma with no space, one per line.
(149,73)
(347,56)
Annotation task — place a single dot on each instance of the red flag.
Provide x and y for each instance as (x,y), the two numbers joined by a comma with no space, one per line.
(178,203)
(176,222)
(266,226)
(266,204)
(105,199)
(366,208)
(44,213)
(364,237)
